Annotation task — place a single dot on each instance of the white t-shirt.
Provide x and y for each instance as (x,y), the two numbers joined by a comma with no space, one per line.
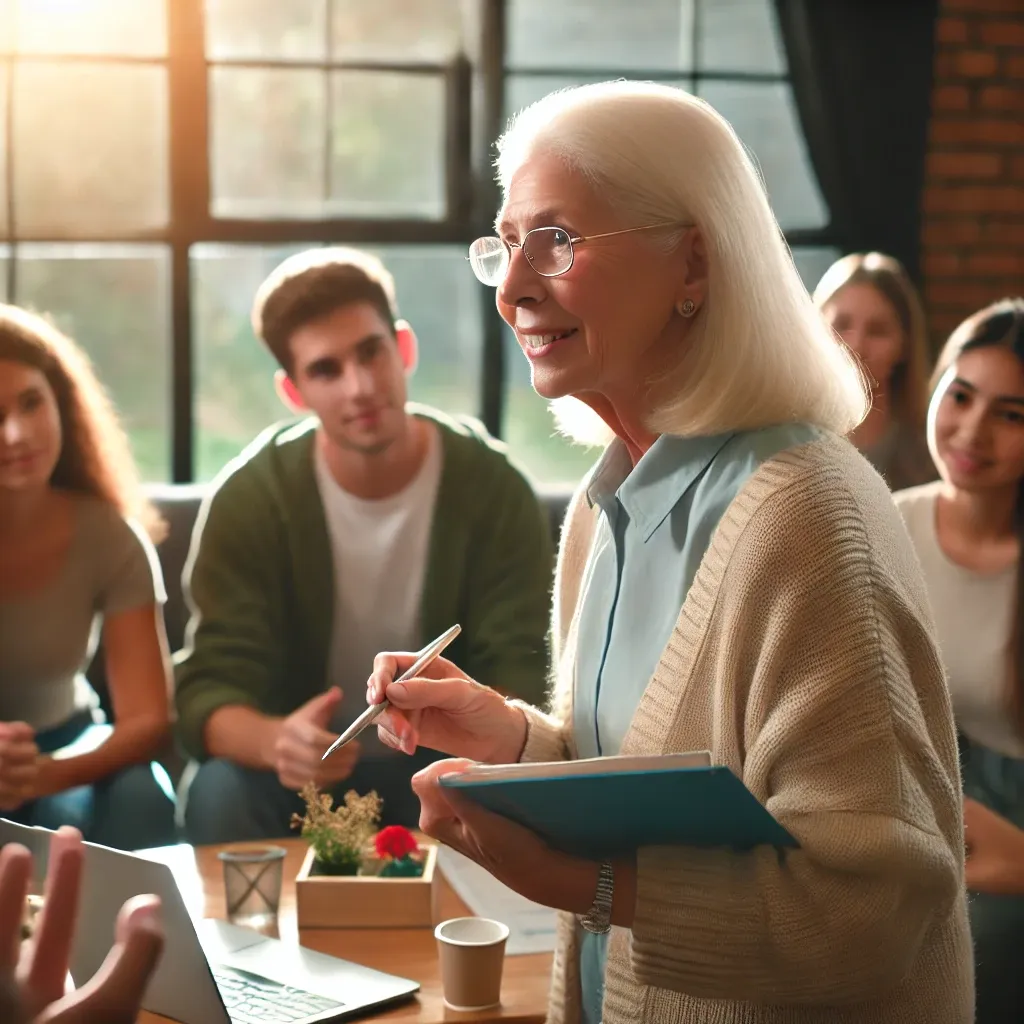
(380,550)
(974,617)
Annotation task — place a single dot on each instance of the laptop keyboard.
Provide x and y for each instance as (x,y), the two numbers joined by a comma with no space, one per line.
(251,999)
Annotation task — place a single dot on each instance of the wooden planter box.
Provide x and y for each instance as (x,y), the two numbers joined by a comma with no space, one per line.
(367,901)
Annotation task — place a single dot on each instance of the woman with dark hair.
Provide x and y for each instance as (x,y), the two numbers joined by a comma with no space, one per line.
(870,302)
(75,562)
(967,529)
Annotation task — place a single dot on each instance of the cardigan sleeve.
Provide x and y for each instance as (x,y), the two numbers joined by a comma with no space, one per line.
(234,651)
(821,647)
(546,735)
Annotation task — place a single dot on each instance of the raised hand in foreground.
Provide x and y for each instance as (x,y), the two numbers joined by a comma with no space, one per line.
(33,974)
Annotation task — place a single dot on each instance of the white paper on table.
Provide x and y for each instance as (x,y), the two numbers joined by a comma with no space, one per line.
(531,926)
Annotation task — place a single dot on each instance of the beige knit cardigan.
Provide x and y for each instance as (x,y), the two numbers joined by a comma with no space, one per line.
(804,659)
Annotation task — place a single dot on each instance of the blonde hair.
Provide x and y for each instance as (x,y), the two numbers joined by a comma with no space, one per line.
(908,388)
(757,352)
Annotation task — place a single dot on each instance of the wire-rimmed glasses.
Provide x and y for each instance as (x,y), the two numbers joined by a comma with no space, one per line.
(549,251)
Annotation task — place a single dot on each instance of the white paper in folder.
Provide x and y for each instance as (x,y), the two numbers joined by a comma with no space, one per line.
(531,926)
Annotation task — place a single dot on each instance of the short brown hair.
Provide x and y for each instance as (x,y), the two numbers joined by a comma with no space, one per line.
(313,284)
(886,275)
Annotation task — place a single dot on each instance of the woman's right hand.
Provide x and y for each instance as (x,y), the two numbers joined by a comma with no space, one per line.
(444,710)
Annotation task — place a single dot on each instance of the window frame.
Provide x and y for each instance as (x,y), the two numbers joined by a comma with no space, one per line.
(474,118)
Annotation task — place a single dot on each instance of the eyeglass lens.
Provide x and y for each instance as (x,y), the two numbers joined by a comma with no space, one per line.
(549,251)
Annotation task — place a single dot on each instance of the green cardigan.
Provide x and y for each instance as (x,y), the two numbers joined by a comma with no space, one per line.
(259,578)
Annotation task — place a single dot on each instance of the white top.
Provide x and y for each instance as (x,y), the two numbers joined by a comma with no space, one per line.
(974,616)
(380,551)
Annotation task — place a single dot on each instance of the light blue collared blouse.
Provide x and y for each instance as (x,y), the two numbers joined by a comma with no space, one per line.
(656,523)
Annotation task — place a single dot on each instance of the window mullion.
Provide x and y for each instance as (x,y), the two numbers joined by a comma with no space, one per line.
(190,192)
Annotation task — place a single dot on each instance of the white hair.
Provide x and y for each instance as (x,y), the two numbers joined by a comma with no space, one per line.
(758,352)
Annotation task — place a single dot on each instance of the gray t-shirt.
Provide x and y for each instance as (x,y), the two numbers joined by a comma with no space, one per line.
(48,638)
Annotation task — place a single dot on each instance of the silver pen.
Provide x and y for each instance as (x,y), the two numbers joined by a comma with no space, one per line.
(370,715)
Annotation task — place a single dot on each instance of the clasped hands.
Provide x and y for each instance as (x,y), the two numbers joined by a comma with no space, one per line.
(446,710)
(33,974)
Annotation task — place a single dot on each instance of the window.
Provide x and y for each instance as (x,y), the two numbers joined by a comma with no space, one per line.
(86,209)
(161,156)
(321,109)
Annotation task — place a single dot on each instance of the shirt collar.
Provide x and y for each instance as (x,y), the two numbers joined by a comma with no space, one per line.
(651,489)
(606,477)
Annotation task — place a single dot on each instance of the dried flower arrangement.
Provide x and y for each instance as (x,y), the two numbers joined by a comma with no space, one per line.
(340,837)
(354,876)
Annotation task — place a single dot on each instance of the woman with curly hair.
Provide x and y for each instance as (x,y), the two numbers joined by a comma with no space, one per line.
(76,562)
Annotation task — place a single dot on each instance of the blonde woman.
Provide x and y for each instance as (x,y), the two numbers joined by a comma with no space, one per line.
(871,303)
(733,577)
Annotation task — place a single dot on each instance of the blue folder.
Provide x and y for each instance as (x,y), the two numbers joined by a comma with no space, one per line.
(612,813)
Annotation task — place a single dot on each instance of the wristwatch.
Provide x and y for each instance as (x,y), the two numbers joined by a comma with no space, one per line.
(598,919)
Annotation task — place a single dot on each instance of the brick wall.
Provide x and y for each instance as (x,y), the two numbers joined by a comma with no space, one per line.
(973,203)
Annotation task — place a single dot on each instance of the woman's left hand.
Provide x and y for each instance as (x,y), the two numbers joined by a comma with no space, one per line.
(512,854)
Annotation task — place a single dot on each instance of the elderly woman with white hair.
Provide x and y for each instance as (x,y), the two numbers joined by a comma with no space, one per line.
(733,577)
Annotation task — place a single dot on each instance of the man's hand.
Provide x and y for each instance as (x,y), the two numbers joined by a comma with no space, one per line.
(995,851)
(303,738)
(33,975)
(19,764)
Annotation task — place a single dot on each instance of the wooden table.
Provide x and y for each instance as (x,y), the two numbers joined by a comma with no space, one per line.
(410,952)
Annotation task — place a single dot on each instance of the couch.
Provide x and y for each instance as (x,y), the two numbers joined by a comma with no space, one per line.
(179,504)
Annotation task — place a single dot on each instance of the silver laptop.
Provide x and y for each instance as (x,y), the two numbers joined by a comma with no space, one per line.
(210,972)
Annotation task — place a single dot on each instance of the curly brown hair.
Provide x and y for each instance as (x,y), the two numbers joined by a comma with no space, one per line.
(95,457)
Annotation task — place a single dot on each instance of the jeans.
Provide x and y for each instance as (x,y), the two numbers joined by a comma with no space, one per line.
(997,922)
(128,810)
(223,802)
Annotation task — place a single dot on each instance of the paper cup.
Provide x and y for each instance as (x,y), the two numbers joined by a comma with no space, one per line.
(472,955)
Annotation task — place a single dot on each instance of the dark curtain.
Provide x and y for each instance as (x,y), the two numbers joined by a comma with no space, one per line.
(862,77)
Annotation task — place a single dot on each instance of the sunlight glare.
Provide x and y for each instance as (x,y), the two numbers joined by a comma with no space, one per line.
(128,27)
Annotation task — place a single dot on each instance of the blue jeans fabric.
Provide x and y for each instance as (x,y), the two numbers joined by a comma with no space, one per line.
(997,922)
(129,810)
(225,802)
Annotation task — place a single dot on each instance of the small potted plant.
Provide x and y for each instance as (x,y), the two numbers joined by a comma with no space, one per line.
(356,876)
(338,835)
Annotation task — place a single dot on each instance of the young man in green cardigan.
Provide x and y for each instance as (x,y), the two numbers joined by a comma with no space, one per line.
(369,525)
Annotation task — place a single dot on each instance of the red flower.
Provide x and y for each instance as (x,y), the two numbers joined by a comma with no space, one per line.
(395,841)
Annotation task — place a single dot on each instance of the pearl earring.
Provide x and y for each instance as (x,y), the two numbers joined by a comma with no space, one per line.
(687,308)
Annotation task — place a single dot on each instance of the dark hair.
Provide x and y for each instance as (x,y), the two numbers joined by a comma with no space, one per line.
(887,276)
(95,457)
(1000,325)
(314,284)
